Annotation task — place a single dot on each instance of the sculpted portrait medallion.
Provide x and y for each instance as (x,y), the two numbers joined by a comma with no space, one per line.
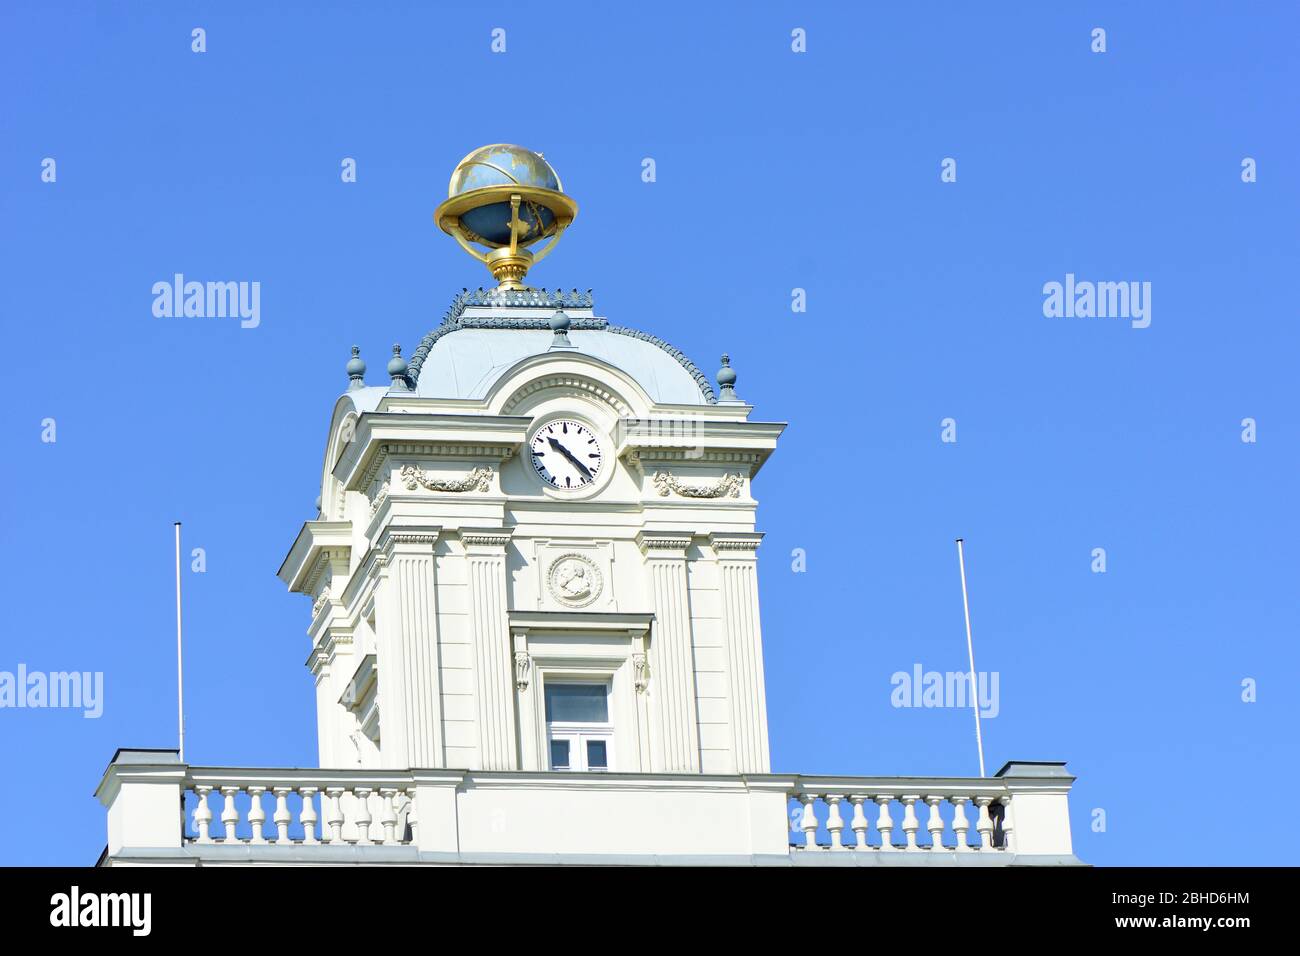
(574,580)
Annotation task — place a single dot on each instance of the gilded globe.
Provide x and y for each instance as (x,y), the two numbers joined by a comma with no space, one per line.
(504,165)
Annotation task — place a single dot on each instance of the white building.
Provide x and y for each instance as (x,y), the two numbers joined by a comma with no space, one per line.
(535,637)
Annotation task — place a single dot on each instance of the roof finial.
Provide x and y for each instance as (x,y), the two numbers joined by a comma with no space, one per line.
(560,323)
(727,381)
(397,369)
(356,370)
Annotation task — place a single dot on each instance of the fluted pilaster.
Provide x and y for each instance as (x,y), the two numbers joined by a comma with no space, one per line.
(672,687)
(410,692)
(738,572)
(485,553)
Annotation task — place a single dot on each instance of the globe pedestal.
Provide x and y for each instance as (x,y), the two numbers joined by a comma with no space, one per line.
(509,268)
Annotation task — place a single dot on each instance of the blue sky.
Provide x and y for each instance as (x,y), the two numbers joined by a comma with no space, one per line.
(775,170)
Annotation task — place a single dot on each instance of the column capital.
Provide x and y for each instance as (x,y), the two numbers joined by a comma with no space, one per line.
(735,544)
(664,544)
(485,540)
(419,538)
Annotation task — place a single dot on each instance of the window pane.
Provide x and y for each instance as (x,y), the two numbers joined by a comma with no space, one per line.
(559,755)
(585,703)
(596,759)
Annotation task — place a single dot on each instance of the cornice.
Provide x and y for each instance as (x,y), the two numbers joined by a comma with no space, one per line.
(300,567)
(745,541)
(667,541)
(497,452)
(527,622)
(486,537)
(390,539)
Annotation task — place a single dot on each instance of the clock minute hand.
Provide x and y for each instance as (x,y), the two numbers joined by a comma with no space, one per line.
(569,455)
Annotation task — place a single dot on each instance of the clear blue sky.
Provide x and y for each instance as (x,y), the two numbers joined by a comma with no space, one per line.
(775,170)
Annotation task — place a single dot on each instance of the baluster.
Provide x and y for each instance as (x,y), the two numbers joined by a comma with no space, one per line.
(859,823)
(334,814)
(834,822)
(1006,825)
(256,813)
(229,815)
(910,823)
(308,815)
(884,822)
(282,816)
(203,815)
(935,822)
(808,822)
(984,823)
(959,823)
(388,815)
(363,814)
(412,820)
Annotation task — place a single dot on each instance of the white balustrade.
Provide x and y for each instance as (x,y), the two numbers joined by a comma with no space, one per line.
(823,808)
(348,809)
(908,816)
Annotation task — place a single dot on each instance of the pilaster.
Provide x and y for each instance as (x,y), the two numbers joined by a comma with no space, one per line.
(485,554)
(672,656)
(410,691)
(738,573)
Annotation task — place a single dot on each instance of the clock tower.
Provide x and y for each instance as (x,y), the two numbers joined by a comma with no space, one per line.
(536,544)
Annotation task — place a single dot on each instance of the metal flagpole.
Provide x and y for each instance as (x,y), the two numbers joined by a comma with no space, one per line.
(970,649)
(180,685)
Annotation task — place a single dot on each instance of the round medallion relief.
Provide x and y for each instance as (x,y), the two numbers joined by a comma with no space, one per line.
(574,580)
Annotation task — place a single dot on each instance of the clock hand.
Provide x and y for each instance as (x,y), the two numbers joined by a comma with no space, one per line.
(569,455)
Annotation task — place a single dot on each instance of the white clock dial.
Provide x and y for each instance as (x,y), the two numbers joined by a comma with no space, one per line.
(566,454)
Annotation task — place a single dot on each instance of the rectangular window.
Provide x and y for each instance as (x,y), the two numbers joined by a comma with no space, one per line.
(579,732)
(559,755)
(577,703)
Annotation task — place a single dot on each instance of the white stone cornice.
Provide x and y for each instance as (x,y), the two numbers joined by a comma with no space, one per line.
(733,541)
(525,623)
(318,543)
(650,459)
(401,537)
(664,543)
(493,439)
(648,444)
(493,538)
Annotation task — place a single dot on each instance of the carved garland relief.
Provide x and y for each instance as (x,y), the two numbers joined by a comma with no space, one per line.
(728,486)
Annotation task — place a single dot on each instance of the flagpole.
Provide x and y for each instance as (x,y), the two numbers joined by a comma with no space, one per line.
(970,649)
(180,685)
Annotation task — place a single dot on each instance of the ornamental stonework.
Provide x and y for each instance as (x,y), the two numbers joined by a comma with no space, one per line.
(414,477)
(728,486)
(574,580)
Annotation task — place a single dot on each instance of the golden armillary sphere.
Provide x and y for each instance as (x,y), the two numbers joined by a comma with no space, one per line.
(505,198)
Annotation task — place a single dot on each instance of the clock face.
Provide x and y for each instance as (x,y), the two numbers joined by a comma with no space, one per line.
(566,454)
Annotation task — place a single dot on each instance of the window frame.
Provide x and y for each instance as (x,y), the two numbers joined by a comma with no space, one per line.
(579,733)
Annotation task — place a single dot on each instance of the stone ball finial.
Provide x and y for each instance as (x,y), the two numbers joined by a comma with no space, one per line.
(397,367)
(560,323)
(356,369)
(727,380)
